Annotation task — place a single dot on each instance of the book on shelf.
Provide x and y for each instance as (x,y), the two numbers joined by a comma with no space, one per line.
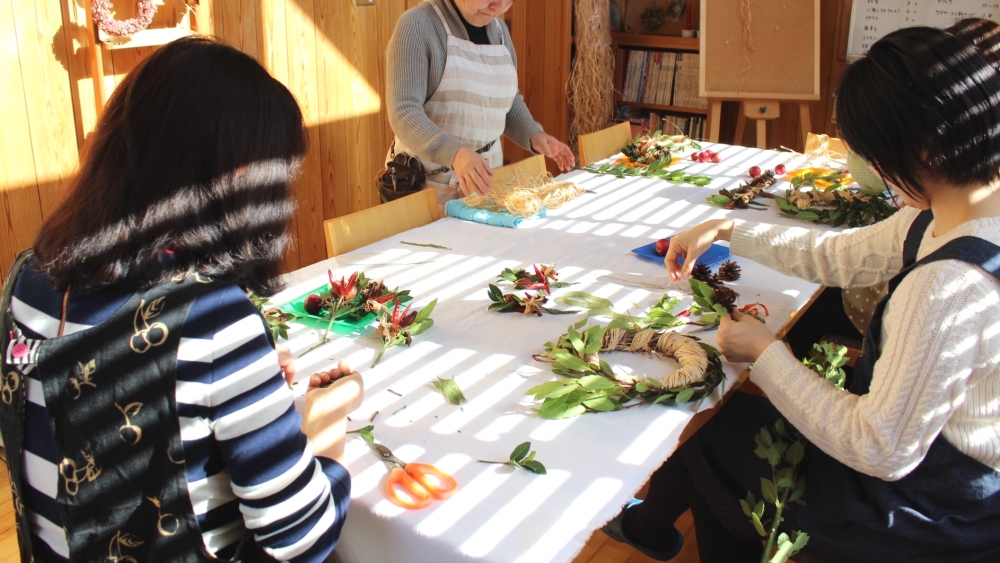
(665,78)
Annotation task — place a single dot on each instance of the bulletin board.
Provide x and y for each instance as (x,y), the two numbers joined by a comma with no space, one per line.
(760,49)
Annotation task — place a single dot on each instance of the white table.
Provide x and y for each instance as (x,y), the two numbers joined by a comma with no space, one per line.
(595,462)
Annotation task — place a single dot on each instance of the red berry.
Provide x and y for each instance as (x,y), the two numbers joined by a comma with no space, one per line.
(313,304)
(754,171)
(709,152)
(696,156)
(662,246)
(716,158)
(704,157)
(779,169)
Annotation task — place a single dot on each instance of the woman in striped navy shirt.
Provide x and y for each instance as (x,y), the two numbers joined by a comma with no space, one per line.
(181,206)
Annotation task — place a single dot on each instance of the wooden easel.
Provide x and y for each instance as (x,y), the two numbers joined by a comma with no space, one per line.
(759,54)
(760,111)
(98,40)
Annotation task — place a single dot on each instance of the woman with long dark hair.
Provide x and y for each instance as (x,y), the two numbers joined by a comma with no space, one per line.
(144,410)
(903,465)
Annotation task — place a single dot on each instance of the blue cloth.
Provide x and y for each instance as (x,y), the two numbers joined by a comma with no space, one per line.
(458,209)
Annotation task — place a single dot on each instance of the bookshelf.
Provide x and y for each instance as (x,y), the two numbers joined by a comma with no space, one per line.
(631,78)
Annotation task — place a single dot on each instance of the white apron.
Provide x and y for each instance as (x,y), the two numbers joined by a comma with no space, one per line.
(470,104)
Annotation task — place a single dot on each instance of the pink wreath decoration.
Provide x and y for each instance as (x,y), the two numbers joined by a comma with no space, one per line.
(108,24)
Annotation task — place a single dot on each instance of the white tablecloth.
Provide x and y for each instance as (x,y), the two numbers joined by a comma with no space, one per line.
(595,462)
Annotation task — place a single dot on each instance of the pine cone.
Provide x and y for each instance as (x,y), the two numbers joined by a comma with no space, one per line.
(702,273)
(729,271)
(725,297)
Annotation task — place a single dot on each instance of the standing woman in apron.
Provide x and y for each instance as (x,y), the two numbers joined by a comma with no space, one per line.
(903,465)
(452,89)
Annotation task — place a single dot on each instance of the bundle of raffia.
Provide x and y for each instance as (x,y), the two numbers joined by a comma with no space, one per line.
(591,80)
(525,194)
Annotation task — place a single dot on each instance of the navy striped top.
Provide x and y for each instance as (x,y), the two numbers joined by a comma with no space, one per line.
(249,466)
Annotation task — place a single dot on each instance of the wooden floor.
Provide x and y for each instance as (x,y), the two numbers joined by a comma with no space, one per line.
(602,549)
(599,549)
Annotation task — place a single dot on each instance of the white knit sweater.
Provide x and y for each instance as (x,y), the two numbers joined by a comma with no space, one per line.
(939,372)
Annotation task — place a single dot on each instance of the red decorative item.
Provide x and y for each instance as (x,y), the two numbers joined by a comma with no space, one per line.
(108,24)
(687,17)
(754,171)
(716,158)
(662,246)
(779,169)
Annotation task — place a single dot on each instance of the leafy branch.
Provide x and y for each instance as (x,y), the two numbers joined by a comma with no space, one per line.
(366,433)
(783,450)
(277,320)
(828,360)
(514,303)
(521,458)
(656,169)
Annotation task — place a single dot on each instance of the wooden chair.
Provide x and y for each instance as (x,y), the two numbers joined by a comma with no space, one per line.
(604,143)
(531,166)
(347,233)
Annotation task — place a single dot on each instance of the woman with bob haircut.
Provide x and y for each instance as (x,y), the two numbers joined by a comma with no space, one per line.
(143,407)
(903,465)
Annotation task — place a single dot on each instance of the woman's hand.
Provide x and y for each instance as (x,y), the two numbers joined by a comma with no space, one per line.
(743,338)
(286,361)
(323,378)
(692,243)
(324,418)
(473,172)
(553,148)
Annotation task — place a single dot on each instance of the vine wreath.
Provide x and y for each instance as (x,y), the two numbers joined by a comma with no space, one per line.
(594,387)
(108,24)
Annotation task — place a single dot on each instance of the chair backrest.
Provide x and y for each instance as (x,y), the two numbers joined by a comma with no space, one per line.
(344,234)
(531,166)
(815,141)
(604,143)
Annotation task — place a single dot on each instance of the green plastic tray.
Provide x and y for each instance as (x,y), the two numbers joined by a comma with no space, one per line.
(340,326)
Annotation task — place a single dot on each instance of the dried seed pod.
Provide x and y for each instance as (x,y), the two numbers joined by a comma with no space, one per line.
(725,297)
(702,273)
(729,271)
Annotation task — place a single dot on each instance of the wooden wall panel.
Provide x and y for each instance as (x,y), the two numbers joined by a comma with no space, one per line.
(330,53)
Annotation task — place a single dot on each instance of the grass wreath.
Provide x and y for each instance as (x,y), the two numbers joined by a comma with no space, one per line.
(593,386)
(108,24)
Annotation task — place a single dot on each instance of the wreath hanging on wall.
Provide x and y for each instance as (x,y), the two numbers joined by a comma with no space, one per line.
(108,24)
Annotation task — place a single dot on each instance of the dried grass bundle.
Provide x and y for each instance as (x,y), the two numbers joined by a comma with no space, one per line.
(591,87)
(525,194)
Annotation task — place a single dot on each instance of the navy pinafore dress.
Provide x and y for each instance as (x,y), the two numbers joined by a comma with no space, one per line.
(945,510)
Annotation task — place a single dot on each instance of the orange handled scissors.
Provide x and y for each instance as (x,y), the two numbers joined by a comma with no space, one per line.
(420,482)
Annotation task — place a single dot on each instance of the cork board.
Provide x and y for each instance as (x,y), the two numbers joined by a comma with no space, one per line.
(783,61)
(674,10)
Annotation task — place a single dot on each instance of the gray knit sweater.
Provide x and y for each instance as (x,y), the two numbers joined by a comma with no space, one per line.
(416,58)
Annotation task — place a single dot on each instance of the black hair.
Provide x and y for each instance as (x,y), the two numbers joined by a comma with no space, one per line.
(191,161)
(923,104)
(984,34)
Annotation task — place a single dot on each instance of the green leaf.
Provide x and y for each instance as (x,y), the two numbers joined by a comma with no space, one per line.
(450,390)
(602,404)
(684,395)
(719,200)
(766,437)
(807,215)
(534,466)
(795,453)
(520,451)
(761,452)
(425,313)
(596,382)
(758,507)
(571,362)
(595,337)
(785,482)
(801,538)
(757,525)
(746,508)
(773,456)
(641,387)
(416,329)
(575,340)
(365,433)
(562,410)
(769,491)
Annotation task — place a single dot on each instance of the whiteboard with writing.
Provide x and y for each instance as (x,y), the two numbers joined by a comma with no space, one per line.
(873,19)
